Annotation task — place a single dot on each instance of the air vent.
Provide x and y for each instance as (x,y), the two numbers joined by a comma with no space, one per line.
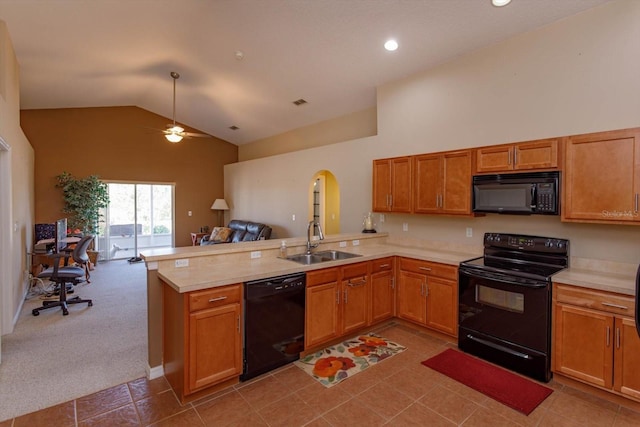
(234,127)
(300,101)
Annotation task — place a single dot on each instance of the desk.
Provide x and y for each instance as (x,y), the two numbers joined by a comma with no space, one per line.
(40,259)
(196,237)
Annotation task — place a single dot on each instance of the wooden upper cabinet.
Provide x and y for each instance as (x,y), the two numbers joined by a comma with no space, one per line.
(392,185)
(601,180)
(443,183)
(428,183)
(524,156)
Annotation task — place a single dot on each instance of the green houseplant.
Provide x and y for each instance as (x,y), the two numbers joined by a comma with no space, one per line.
(83,199)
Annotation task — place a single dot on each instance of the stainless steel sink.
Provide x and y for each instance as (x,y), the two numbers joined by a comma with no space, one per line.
(336,255)
(318,257)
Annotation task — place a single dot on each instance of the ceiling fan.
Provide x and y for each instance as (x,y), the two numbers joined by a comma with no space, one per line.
(175,133)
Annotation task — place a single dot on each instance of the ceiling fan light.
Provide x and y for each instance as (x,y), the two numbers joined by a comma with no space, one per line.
(176,129)
(173,137)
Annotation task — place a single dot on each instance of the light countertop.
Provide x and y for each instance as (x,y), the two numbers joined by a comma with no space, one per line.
(234,271)
(224,270)
(622,283)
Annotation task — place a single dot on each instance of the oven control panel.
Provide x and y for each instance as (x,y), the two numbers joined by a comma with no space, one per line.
(526,243)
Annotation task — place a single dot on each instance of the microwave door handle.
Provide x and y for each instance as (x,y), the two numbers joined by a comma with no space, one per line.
(534,197)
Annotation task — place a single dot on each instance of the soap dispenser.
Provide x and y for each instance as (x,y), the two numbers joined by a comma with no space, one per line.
(283,249)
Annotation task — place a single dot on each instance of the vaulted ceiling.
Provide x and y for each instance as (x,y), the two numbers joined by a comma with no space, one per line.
(243,62)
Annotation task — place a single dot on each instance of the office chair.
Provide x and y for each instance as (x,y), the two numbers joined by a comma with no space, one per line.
(67,275)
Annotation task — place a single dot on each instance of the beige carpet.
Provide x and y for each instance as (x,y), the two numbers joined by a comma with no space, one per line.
(52,358)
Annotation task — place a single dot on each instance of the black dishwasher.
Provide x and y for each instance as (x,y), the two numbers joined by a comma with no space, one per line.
(273,323)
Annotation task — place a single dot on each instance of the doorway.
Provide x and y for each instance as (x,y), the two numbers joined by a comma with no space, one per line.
(324,202)
(139,216)
(6,279)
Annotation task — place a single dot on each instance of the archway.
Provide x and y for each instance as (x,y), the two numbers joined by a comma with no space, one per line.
(324,201)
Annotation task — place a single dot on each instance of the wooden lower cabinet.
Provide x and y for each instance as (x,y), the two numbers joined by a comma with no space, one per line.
(321,313)
(427,294)
(337,302)
(382,289)
(595,340)
(355,297)
(202,342)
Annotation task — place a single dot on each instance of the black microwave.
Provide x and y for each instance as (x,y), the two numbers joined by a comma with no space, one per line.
(518,193)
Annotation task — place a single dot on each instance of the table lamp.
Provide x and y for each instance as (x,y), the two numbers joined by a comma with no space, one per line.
(220,205)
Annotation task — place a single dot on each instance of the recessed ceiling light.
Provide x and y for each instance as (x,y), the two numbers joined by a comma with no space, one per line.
(391,45)
(500,3)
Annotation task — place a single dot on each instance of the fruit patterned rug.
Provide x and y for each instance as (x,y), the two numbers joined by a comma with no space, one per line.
(341,361)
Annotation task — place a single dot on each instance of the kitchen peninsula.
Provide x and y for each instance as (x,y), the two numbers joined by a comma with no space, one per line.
(196,270)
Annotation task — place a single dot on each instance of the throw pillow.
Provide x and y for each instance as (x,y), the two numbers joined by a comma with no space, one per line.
(220,234)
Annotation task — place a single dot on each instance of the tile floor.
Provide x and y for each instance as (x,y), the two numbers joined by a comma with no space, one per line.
(397,392)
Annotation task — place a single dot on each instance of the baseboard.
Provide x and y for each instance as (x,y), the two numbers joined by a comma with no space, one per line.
(155,372)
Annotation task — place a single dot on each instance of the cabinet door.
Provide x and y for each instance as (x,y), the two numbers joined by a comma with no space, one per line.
(442,305)
(214,346)
(627,358)
(382,296)
(382,185)
(354,303)
(411,302)
(583,346)
(456,183)
(401,185)
(494,158)
(321,314)
(428,183)
(602,177)
(541,154)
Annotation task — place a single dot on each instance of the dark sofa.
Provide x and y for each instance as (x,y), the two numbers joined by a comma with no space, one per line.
(242,231)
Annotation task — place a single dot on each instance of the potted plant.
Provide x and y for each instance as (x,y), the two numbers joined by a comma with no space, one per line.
(83,199)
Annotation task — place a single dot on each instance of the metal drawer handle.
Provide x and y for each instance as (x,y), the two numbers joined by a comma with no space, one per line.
(384,265)
(217,299)
(608,304)
(424,268)
(360,283)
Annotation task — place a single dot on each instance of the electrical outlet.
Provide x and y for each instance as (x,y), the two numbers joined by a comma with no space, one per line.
(182,263)
(256,254)
(405,226)
(293,217)
(355,242)
(343,244)
(469,232)
(381,217)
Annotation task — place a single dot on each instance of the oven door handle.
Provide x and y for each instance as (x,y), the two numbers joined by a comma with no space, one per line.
(529,283)
(499,347)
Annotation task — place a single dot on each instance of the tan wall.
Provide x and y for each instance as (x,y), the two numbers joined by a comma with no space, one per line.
(124,144)
(16,189)
(573,76)
(352,126)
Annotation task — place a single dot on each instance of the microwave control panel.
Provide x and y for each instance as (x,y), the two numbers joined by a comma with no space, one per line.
(546,197)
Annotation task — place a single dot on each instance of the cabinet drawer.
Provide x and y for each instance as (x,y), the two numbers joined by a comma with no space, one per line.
(429,268)
(382,264)
(200,300)
(354,270)
(597,300)
(320,277)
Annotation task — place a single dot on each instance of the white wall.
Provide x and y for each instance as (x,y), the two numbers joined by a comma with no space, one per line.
(574,76)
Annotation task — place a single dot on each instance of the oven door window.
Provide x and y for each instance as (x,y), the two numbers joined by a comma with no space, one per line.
(502,299)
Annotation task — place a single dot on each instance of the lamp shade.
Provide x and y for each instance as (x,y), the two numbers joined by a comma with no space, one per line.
(220,204)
